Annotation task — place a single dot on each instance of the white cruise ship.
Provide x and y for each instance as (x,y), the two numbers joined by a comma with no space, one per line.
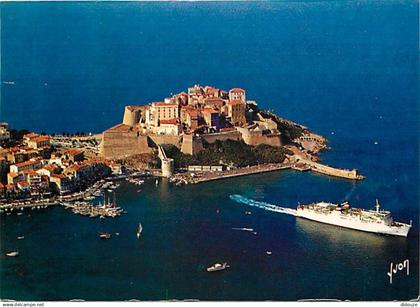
(377,221)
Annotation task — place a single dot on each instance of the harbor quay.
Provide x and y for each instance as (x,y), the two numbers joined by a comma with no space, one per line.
(200,176)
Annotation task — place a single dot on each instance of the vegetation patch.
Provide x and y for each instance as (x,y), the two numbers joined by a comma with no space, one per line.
(228,152)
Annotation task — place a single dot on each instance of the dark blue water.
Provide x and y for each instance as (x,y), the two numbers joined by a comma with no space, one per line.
(346,69)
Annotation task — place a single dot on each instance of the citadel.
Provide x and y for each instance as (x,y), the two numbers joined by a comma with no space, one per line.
(186,120)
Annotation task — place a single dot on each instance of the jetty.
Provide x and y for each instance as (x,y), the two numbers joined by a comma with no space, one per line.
(299,164)
(304,164)
(243,171)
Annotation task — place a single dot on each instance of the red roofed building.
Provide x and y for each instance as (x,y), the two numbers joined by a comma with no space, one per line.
(62,183)
(168,127)
(163,111)
(39,141)
(236,112)
(74,155)
(32,177)
(212,92)
(237,94)
(48,170)
(24,166)
(28,137)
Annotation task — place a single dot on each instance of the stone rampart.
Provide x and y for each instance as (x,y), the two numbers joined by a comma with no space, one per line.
(222,136)
(131,115)
(160,139)
(122,142)
(191,145)
(257,137)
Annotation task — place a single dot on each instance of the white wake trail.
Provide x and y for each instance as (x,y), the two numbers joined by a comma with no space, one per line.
(262,205)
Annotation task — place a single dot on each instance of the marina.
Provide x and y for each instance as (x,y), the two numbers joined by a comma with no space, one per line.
(107,209)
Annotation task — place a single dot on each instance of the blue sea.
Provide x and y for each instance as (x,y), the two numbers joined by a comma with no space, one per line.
(349,70)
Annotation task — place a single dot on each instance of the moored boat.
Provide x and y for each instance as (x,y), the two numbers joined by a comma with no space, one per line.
(218,267)
(104,235)
(244,229)
(12,254)
(139,231)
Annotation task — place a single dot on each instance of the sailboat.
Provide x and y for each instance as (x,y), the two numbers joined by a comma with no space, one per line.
(139,230)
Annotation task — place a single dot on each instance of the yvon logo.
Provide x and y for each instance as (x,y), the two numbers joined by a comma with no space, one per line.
(394,269)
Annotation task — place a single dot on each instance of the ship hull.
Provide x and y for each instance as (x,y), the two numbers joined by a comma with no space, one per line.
(336,220)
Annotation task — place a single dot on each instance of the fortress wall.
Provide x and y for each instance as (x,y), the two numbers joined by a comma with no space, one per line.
(255,138)
(160,139)
(131,116)
(119,145)
(328,170)
(191,145)
(352,174)
(222,136)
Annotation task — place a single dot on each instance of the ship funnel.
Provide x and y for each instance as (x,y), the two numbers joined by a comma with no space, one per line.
(377,206)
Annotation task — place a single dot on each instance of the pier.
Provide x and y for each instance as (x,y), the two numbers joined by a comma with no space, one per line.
(244,171)
(298,164)
(304,164)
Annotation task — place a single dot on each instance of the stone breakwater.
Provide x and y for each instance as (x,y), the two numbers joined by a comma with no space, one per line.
(331,171)
(301,165)
(210,176)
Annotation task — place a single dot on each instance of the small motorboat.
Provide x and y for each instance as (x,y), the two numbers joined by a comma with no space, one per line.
(218,267)
(21,237)
(139,230)
(157,182)
(104,235)
(19,213)
(12,254)
(248,212)
(244,229)
(268,252)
